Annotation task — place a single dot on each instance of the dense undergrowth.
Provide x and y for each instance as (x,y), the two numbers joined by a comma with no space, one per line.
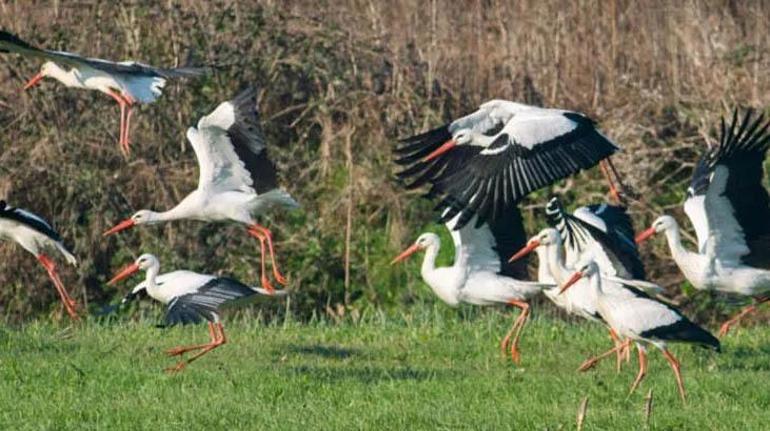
(339,82)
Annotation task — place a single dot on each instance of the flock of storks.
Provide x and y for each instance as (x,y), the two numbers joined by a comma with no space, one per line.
(476,169)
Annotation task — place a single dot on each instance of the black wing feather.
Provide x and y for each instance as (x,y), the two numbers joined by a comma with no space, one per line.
(617,241)
(17,215)
(11,43)
(249,143)
(510,237)
(579,149)
(742,149)
(685,331)
(206,302)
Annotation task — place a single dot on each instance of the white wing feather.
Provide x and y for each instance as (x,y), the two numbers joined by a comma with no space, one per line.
(727,241)
(220,167)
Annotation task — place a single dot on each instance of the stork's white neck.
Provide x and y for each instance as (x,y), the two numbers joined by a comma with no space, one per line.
(544,274)
(674,239)
(67,77)
(555,256)
(445,282)
(429,261)
(152,274)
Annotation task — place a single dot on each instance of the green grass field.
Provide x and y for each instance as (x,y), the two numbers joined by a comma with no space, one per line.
(434,369)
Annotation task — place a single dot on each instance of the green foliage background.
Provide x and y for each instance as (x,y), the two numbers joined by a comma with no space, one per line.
(339,83)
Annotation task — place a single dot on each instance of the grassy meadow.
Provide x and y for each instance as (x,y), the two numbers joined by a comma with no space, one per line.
(433,368)
(360,344)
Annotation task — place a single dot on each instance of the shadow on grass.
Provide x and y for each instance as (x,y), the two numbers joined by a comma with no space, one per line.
(366,375)
(329,352)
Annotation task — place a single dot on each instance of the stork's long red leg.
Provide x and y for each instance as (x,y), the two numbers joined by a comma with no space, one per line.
(269,237)
(619,354)
(613,190)
(642,368)
(618,178)
(515,331)
(127,128)
(590,363)
(677,373)
(263,278)
(218,340)
(176,351)
(122,103)
(737,318)
(69,304)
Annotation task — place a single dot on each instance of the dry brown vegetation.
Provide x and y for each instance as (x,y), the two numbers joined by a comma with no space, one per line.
(340,81)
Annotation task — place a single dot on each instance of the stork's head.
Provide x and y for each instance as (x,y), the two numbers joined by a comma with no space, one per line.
(143,263)
(463,137)
(423,242)
(585,270)
(140,217)
(661,224)
(544,238)
(49,68)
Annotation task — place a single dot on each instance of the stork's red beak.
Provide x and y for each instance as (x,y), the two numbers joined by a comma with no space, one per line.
(531,245)
(124,273)
(414,248)
(446,146)
(125,224)
(645,235)
(572,280)
(34,81)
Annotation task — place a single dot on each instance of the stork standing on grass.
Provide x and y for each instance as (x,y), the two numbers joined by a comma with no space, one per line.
(549,247)
(191,298)
(643,320)
(237,180)
(127,82)
(730,211)
(480,274)
(604,232)
(491,159)
(34,234)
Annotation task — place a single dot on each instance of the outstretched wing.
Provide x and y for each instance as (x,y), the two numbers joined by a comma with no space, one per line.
(231,149)
(490,246)
(532,151)
(11,43)
(604,231)
(205,303)
(726,201)
(411,152)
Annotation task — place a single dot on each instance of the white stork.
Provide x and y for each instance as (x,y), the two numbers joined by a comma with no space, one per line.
(127,82)
(190,297)
(549,247)
(237,180)
(602,231)
(34,234)
(496,156)
(641,319)
(730,211)
(481,274)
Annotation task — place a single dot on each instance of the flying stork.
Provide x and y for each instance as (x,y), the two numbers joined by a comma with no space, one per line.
(603,231)
(641,319)
(492,158)
(34,234)
(481,273)
(730,211)
(237,180)
(190,297)
(127,82)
